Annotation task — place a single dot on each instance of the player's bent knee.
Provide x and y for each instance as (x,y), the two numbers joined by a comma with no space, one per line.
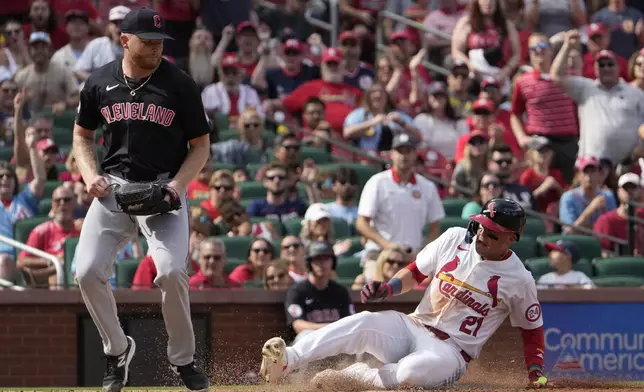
(170,276)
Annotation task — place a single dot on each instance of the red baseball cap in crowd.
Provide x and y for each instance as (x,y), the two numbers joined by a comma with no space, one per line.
(596,29)
(246,25)
(293,44)
(348,35)
(484,104)
(230,60)
(586,160)
(566,247)
(332,55)
(402,34)
(605,54)
(46,144)
(490,82)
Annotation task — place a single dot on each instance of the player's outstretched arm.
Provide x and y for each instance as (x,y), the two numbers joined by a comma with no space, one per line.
(402,282)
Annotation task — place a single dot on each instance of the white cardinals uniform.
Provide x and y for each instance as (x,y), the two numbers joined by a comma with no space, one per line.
(466,302)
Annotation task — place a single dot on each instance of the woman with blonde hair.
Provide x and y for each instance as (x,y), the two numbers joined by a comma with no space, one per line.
(636,69)
(470,169)
(388,263)
(276,277)
(251,145)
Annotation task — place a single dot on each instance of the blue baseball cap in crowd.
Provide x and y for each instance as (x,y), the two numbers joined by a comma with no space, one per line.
(145,23)
(566,247)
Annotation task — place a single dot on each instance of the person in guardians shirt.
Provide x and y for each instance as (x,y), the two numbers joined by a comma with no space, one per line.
(314,303)
(599,38)
(293,251)
(49,237)
(212,259)
(541,108)
(229,96)
(563,255)
(501,162)
(339,97)
(280,82)
(356,73)
(276,204)
(146,272)
(615,222)
(583,205)
(247,40)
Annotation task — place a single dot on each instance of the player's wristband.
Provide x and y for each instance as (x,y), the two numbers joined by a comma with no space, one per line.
(396,286)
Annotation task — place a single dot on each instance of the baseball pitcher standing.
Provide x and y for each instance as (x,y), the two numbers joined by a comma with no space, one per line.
(156,140)
(477,281)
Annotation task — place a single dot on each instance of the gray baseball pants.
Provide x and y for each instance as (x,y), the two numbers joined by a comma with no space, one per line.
(104,233)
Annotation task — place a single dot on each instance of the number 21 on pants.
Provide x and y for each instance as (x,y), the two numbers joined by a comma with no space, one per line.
(471,325)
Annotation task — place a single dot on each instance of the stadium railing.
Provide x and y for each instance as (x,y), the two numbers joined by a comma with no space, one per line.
(60,273)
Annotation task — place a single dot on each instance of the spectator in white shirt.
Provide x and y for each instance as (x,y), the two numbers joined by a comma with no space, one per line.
(77,28)
(102,50)
(397,204)
(563,255)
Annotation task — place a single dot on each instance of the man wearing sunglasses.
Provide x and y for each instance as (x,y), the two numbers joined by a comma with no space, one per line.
(545,108)
(276,204)
(599,38)
(501,162)
(212,259)
(49,237)
(610,111)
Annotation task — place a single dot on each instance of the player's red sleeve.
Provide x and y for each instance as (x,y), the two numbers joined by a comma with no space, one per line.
(533,346)
(518,100)
(419,276)
(294,102)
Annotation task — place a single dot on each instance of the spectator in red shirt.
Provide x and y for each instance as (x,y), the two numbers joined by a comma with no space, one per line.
(180,19)
(403,51)
(212,259)
(491,89)
(43,18)
(247,41)
(547,184)
(146,273)
(221,185)
(260,253)
(49,237)
(615,222)
(599,39)
(199,188)
(339,97)
(541,108)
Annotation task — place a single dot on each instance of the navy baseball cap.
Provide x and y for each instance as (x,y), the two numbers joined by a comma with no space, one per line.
(567,247)
(145,23)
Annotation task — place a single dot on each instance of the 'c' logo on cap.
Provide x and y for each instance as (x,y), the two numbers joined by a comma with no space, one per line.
(491,211)
(157,21)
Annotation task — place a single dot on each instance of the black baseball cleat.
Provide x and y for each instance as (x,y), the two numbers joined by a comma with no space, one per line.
(192,377)
(117,368)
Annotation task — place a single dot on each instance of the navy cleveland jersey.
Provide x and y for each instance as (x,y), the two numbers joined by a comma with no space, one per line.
(281,84)
(146,134)
(362,78)
(306,302)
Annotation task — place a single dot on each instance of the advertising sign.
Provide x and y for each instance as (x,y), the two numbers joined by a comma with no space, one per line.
(594,341)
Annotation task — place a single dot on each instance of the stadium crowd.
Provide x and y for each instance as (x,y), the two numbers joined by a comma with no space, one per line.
(540,101)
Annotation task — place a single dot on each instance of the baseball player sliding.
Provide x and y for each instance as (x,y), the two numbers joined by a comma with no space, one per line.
(156,141)
(477,281)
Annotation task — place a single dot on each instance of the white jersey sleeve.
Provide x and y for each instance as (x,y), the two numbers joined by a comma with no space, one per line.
(428,260)
(525,310)
(368,206)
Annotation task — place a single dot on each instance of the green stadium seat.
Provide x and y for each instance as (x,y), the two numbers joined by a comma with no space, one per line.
(232,263)
(525,248)
(356,245)
(620,266)
(44,207)
(348,267)
(60,166)
(69,248)
(221,121)
(63,136)
(534,227)
(23,227)
(125,271)
(252,169)
(346,282)
(194,202)
(251,190)
(224,166)
(618,281)
(227,134)
(292,227)
(245,202)
(65,120)
(50,186)
(6,153)
(277,243)
(454,206)
(540,266)
(319,155)
(590,246)
(237,247)
(144,244)
(451,221)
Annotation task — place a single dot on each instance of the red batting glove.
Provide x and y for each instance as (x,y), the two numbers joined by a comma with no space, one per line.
(376,291)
